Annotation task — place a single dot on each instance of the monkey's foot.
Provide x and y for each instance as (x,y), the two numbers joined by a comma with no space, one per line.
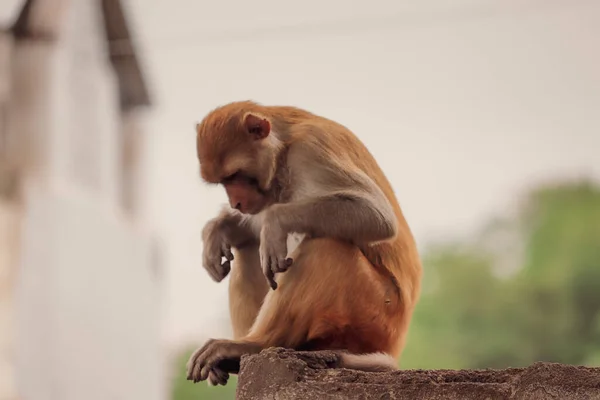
(217,359)
(217,377)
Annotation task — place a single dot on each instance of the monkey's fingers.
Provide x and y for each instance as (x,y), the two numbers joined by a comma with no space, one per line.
(270,275)
(227,252)
(284,265)
(225,269)
(216,269)
(212,266)
(213,274)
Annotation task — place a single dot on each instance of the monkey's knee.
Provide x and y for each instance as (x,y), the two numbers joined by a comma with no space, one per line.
(247,290)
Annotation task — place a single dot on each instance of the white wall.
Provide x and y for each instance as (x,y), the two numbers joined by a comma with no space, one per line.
(9,228)
(85,100)
(5,50)
(87,303)
(9,222)
(87,297)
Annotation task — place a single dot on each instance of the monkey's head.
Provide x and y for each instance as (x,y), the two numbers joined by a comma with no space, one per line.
(237,149)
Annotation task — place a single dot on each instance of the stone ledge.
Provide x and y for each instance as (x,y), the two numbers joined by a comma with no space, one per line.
(288,375)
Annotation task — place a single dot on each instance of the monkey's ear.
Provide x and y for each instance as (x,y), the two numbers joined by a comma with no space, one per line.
(258,127)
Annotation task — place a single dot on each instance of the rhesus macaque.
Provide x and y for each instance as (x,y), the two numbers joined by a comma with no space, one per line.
(351,279)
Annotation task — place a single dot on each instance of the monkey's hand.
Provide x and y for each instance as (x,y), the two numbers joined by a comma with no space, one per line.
(215,247)
(273,249)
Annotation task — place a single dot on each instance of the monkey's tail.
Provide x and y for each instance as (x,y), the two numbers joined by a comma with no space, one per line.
(372,362)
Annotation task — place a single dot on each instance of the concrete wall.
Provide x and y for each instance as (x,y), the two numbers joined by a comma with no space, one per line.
(5,51)
(87,303)
(86,298)
(9,232)
(84,97)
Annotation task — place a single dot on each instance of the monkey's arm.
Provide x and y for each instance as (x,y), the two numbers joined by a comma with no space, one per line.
(220,234)
(333,200)
(352,215)
(235,228)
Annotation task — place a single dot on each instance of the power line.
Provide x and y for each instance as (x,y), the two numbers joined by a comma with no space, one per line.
(360,24)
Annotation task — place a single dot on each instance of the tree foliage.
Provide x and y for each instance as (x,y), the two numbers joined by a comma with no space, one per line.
(548,311)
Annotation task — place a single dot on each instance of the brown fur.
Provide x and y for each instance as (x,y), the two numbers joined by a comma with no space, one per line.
(354,280)
(351,305)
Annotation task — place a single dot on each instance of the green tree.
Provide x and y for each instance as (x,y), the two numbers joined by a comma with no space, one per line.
(548,311)
(562,272)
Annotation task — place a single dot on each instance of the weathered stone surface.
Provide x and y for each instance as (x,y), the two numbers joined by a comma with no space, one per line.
(280,374)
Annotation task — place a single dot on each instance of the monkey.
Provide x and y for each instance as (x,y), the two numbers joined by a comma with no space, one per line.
(323,257)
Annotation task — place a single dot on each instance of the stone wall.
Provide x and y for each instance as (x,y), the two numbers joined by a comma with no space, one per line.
(288,375)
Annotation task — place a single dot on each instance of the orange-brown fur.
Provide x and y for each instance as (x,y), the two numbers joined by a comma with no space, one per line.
(331,299)
(337,294)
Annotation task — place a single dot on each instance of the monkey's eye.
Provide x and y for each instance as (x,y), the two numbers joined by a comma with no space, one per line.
(230,178)
(241,177)
(253,181)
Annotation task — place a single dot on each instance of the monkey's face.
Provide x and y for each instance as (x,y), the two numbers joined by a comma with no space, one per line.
(244,193)
(233,153)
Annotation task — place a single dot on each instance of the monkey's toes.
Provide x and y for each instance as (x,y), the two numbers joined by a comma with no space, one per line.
(195,370)
(205,362)
(217,377)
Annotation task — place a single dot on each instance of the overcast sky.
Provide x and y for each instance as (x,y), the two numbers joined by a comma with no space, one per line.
(464,103)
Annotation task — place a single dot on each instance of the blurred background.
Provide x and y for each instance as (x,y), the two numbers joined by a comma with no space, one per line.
(485,116)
